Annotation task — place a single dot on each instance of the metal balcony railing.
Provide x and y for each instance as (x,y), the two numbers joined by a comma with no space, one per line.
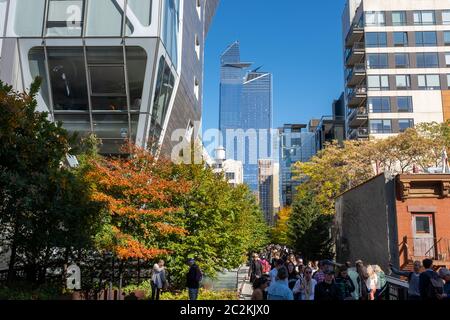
(358,112)
(358,47)
(357,68)
(356,27)
(358,90)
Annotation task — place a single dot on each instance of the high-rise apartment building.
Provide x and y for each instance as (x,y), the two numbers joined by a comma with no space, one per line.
(122,69)
(296,145)
(245,113)
(397,65)
(269,192)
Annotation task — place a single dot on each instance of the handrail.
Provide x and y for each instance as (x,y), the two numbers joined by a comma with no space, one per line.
(433,247)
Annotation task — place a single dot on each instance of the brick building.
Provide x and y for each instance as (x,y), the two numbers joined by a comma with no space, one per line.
(395,220)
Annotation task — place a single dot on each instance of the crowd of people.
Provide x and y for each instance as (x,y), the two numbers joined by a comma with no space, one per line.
(279,274)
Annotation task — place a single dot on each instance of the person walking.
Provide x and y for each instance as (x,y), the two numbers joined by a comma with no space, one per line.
(280,290)
(362,280)
(292,275)
(354,276)
(381,282)
(430,284)
(158,279)
(371,282)
(256,268)
(193,279)
(279,264)
(345,284)
(259,287)
(413,280)
(305,286)
(327,290)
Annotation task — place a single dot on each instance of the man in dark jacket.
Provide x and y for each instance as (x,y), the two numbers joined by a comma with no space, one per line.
(345,284)
(327,290)
(430,284)
(194,276)
(256,268)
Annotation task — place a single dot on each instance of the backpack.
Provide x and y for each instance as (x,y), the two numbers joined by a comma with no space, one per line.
(266,266)
(436,287)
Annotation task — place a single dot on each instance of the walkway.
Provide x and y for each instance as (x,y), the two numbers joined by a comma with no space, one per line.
(245,287)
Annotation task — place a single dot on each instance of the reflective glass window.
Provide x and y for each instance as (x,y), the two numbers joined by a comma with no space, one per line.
(377,60)
(405,124)
(374,18)
(107,80)
(104,18)
(378,82)
(429,82)
(36,58)
(427,60)
(376,39)
(401,60)
(379,104)
(29,18)
(400,39)
(104,55)
(399,18)
(136,65)
(80,123)
(65,18)
(424,17)
(447,38)
(446,17)
(68,78)
(447,59)
(426,38)
(403,82)
(171,28)
(142,10)
(404,104)
(380,126)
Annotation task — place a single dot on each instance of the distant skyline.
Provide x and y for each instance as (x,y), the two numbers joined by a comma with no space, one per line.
(298,42)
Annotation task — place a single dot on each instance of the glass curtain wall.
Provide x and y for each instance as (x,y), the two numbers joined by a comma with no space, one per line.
(94,91)
(171,28)
(65,18)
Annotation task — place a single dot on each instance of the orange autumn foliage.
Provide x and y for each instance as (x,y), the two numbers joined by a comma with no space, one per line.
(143,199)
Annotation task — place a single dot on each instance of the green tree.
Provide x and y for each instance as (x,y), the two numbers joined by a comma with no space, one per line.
(45,213)
(309,229)
(279,233)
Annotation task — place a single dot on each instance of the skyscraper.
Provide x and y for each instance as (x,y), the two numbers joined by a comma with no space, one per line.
(245,113)
(296,146)
(269,192)
(122,69)
(396,65)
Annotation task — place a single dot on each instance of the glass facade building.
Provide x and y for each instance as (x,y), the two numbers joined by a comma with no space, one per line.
(109,67)
(296,146)
(245,105)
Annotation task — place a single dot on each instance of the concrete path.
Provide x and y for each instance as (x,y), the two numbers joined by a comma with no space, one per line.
(244,287)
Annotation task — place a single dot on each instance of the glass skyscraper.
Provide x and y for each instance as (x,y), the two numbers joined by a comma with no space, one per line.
(245,105)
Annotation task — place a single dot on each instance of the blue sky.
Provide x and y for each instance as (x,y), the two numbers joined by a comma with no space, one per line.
(298,41)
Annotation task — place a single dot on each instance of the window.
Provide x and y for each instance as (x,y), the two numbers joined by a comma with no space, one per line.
(142,10)
(447,38)
(424,17)
(163,94)
(378,82)
(426,38)
(80,123)
(376,39)
(405,124)
(404,104)
(400,39)
(379,104)
(374,18)
(401,60)
(171,28)
(403,82)
(423,225)
(65,18)
(377,61)
(448,81)
(447,59)
(380,126)
(199,8)
(197,46)
(427,60)
(399,18)
(68,78)
(111,126)
(136,65)
(230,175)
(429,82)
(29,18)
(112,26)
(196,88)
(446,17)
(36,58)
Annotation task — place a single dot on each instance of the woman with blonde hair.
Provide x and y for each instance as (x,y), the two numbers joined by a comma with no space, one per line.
(371,282)
(381,281)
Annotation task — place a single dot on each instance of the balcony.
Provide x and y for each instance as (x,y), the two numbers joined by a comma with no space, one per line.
(356,75)
(355,54)
(356,96)
(356,34)
(359,133)
(358,117)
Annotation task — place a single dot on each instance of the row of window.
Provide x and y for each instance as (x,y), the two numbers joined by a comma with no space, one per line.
(401,39)
(402,60)
(383,104)
(399,18)
(403,82)
(383,126)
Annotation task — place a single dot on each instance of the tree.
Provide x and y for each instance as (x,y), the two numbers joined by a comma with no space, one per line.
(279,234)
(45,212)
(309,229)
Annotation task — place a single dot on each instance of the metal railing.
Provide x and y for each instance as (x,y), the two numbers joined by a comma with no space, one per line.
(358,47)
(419,248)
(358,90)
(357,68)
(355,27)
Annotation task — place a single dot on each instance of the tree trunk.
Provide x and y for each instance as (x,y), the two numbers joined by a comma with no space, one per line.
(13,258)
